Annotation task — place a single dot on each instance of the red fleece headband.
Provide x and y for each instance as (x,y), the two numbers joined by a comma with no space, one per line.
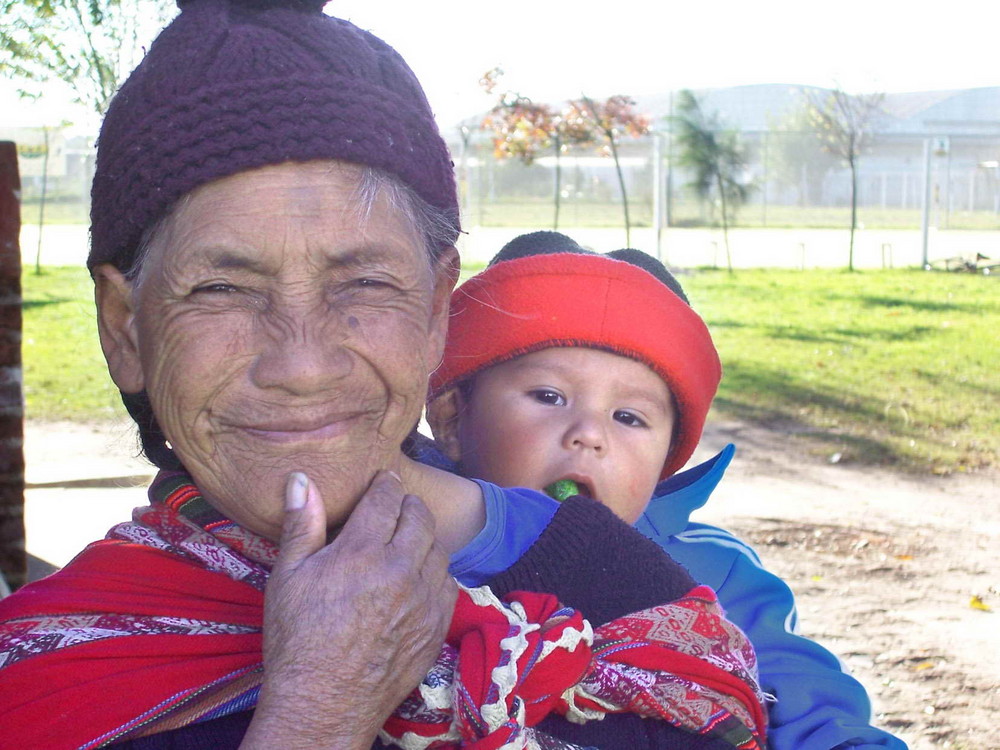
(567,299)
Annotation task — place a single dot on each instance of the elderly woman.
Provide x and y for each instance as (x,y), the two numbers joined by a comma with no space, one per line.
(273,223)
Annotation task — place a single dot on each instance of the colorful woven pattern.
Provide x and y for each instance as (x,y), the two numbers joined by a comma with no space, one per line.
(192,583)
(507,665)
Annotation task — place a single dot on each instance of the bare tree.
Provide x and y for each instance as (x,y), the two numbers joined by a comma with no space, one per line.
(799,160)
(845,125)
(88,44)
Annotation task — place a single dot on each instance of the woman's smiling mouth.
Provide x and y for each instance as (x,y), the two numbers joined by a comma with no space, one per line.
(290,431)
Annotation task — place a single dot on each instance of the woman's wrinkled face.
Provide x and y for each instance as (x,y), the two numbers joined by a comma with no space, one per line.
(276,328)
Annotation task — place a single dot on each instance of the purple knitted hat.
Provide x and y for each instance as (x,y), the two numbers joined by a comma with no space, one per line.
(232,85)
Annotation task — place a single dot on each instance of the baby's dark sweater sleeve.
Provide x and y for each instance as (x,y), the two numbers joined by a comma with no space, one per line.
(596,563)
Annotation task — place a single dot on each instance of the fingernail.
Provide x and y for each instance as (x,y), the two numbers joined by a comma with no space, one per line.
(394,475)
(295,493)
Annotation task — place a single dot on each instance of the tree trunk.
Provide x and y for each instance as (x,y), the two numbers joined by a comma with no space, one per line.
(621,184)
(725,220)
(854,212)
(13,562)
(558,187)
(41,205)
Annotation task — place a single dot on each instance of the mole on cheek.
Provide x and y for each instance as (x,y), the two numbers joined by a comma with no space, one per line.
(352,321)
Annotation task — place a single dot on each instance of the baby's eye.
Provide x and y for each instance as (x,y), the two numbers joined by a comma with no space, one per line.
(629,418)
(548,396)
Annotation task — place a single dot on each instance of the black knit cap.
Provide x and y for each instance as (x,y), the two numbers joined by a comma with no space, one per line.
(232,85)
(547,242)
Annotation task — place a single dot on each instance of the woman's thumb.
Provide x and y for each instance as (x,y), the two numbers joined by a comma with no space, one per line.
(303,531)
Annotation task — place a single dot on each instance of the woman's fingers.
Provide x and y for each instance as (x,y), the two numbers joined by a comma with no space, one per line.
(413,536)
(376,515)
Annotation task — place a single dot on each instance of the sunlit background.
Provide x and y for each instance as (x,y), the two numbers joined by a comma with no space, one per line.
(556,50)
(934,164)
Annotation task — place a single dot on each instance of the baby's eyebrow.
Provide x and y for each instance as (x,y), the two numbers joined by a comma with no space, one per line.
(648,396)
(650,399)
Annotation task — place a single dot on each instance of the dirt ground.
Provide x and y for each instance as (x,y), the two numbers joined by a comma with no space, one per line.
(898,575)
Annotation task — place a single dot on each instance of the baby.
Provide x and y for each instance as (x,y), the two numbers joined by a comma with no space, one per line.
(577,373)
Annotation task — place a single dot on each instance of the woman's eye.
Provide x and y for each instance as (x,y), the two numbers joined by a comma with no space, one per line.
(377,283)
(215,288)
(547,396)
(368,288)
(629,419)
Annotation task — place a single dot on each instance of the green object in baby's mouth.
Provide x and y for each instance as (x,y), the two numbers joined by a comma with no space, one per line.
(562,489)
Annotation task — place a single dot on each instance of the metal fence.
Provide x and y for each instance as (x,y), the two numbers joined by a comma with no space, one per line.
(794,183)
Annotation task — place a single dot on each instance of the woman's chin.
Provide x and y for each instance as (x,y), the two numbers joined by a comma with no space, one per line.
(252,493)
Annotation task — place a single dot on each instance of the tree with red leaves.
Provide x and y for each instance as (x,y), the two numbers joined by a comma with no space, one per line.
(606,123)
(522,128)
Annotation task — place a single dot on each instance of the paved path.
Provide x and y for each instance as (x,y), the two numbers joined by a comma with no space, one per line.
(67,244)
(81,480)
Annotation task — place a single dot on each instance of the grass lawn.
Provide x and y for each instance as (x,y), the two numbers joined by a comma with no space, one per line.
(511,211)
(65,376)
(895,367)
(514,211)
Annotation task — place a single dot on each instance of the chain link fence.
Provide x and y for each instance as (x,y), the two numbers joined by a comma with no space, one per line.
(794,184)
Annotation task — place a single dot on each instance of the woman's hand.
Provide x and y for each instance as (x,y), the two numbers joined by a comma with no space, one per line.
(350,627)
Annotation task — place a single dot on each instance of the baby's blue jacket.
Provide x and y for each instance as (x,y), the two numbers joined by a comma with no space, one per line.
(818,706)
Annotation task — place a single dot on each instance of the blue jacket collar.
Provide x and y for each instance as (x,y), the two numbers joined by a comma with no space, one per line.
(676,497)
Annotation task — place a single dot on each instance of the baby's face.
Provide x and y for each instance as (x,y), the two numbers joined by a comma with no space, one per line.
(599,419)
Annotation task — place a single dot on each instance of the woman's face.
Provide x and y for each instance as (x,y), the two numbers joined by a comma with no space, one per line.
(277,329)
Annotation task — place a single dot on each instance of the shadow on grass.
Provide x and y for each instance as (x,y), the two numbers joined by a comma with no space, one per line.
(837,336)
(30,304)
(911,333)
(948,382)
(924,305)
(865,450)
(775,399)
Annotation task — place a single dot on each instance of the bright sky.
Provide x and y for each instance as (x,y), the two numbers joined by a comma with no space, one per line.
(554,50)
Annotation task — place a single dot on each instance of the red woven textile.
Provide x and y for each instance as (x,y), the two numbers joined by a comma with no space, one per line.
(507,665)
(160,627)
(129,632)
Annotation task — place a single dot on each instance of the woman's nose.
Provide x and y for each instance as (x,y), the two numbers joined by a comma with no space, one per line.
(302,353)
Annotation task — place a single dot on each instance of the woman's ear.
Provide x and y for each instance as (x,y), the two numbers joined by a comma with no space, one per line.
(117,328)
(443,414)
(446,270)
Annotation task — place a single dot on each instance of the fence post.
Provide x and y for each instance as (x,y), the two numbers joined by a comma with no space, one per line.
(886,250)
(925,216)
(658,193)
(13,562)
